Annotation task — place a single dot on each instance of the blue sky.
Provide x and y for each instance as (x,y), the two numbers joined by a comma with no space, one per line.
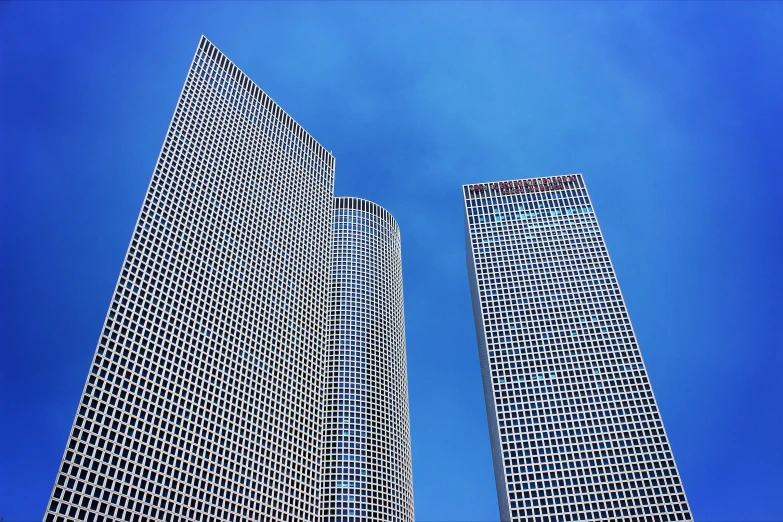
(671,110)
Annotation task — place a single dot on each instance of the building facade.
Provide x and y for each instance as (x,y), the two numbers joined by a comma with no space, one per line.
(366,473)
(203,400)
(574,426)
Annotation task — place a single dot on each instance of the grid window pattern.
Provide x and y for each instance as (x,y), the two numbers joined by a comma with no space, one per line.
(574,427)
(203,399)
(366,424)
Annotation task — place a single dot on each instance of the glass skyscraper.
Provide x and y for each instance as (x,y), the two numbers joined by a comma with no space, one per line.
(367,454)
(574,427)
(204,400)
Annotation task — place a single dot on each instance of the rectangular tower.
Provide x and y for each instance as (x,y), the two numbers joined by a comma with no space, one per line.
(203,399)
(574,427)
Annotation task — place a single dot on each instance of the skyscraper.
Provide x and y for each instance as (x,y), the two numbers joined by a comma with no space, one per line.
(203,400)
(367,456)
(574,426)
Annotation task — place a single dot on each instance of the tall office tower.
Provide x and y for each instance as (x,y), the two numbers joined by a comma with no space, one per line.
(203,400)
(366,424)
(575,430)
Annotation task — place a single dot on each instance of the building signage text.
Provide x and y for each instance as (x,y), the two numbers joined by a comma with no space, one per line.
(527,185)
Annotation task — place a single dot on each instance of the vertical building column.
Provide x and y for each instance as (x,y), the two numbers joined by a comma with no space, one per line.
(366,424)
(574,426)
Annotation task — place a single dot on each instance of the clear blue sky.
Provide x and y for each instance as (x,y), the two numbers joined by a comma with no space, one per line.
(671,110)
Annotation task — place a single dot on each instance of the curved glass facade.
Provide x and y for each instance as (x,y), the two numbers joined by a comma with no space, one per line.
(366,467)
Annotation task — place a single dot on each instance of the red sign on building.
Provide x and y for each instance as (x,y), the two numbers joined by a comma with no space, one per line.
(527,185)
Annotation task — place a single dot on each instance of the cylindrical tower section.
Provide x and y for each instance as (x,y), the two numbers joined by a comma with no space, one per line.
(366,439)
